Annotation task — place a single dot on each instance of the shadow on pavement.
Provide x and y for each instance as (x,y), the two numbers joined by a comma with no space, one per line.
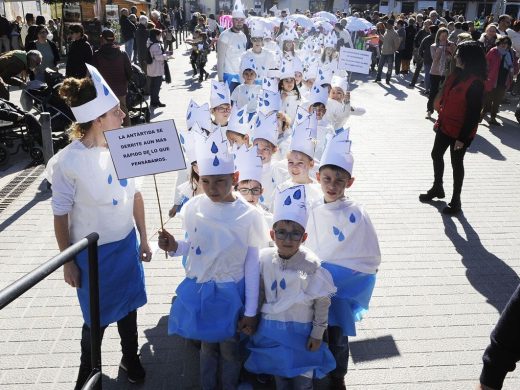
(509,134)
(373,349)
(482,145)
(488,274)
(42,195)
(391,90)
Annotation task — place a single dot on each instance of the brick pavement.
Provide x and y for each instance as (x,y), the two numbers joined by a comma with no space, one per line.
(440,288)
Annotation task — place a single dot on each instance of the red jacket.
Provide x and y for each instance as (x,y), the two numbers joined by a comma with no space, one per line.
(453,107)
(493,59)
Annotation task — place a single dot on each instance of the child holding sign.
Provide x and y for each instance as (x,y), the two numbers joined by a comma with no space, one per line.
(220,292)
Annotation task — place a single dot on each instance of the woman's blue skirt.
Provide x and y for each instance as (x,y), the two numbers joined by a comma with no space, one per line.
(121,280)
(352,298)
(280,348)
(207,311)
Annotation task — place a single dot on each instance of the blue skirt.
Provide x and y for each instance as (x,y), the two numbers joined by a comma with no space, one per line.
(207,311)
(352,298)
(121,280)
(280,348)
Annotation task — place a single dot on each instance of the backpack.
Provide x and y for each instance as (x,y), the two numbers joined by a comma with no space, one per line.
(149,58)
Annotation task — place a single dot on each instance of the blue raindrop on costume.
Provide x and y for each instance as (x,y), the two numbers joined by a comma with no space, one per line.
(266,95)
(283,69)
(297,194)
(198,251)
(341,236)
(268,84)
(258,122)
(123,182)
(216,162)
(96,76)
(262,198)
(300,116)
(282,284)
(267,103)
(189,115)
(352,218)
(114,202)
(273,286)
(105,90)
(214,148)
(195,230)
(214,86)
(221,96)
(288,201)
(241,120)
(335,230)
(181,138)
(110,179)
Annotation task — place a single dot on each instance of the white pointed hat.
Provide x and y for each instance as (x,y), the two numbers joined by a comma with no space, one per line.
(270,83)
(269,101)
(212,152)
(337,152)
(105,99)
(318,94)
(289,205)
(308,44)
(286,69)
(340,82)
(311,72)
(301,115)
(248,163)
(199,114)
(330,40)
(248,63)
(257,30)
(238,10)
(238,120)
(188,146)
(297,65)
(219,94)
(266,127)
(324,75)
(288,35)
(304,135)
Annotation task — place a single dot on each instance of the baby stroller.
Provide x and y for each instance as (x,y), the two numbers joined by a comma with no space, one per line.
(138,109)
(44,97)
(18,130)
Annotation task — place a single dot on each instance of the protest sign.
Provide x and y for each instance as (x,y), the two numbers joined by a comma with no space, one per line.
(146,149)
(353,60)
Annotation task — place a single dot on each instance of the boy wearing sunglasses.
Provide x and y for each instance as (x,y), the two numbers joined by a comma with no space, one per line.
(294,302)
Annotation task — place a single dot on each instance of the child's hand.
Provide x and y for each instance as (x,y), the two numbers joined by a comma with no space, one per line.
(313,344)
(173,211)
(247,325)
(167,241)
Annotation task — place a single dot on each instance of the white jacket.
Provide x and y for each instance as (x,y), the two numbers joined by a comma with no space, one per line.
(156,68)
(230,47)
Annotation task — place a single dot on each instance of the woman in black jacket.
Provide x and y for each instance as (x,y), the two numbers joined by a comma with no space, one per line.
(80,52)
(48,50)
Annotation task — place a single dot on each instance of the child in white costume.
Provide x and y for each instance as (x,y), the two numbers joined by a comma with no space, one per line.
(291,97)
(318,97)
(342,235)
(294,296)
(221,284)
(220,105)
(247,92)
(263,58)
(300,159)
(339,108)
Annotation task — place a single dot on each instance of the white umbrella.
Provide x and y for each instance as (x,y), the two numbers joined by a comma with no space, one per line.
(326,26)
(302,20)
(327,15)
(357,24)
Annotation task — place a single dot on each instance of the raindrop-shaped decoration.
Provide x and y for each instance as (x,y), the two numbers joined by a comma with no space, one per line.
(335,230)
(114,202)
(341,236)
(96,76)
(283,69)
(240,113)
(261,199)
(241,120)
(268,84)
(297,194)
(110,179)
(198,251)
(300,116)
(214,86)
(188,116)
(105,90)
(352,218)
(181,138)
(221,96)
(267,103)
(214,148)
(123,182)
(216,162)
(273,286)
(287,201)
(282,284)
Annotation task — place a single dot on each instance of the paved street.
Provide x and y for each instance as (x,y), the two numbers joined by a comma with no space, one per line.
(441,286)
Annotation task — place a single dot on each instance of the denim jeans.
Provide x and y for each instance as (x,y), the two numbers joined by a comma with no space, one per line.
(299,382)
(338,345)
(387,59)
(129,48)
(155,87)
(228,353)
(427,82)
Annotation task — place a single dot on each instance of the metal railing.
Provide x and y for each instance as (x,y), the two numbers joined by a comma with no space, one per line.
(25,283)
